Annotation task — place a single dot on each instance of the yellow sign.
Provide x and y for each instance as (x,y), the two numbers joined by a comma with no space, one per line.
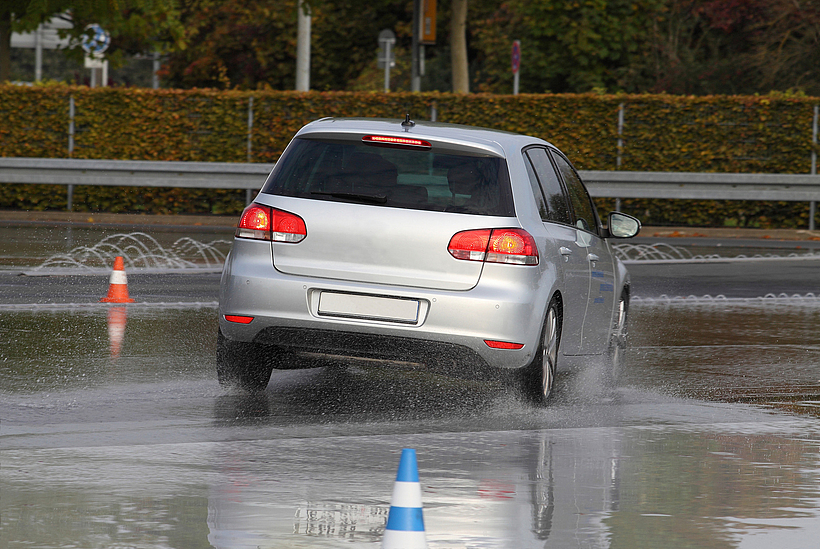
(428,22)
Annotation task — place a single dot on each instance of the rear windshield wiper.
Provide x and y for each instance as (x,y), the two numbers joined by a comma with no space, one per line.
(365,198)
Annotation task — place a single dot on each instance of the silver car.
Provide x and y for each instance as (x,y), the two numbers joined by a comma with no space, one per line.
(455,248)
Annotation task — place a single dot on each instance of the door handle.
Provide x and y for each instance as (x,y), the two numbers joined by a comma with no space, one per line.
(593,258)
(564,250)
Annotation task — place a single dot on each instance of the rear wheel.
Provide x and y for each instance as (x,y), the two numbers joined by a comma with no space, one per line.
(539,377)
(245,365)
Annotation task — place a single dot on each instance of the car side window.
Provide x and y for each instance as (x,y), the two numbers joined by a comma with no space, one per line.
(581,202)
(543,211)
(557,206)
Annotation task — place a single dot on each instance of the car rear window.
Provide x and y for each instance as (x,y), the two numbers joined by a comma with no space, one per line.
(351,171)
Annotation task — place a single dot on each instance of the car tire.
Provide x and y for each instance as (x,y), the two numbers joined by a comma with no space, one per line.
(539,376)
(619,338)
(245,365)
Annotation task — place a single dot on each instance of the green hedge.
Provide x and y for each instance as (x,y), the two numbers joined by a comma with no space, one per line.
(765,134)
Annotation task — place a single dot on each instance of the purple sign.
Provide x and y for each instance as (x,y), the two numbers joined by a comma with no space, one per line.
(516,55)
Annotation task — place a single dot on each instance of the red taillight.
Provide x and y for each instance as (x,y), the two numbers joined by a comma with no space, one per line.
(266,223)
(401,142)
(239,319)
(288,227)
(254,223)
(514,246)
(503,344)
(470,245)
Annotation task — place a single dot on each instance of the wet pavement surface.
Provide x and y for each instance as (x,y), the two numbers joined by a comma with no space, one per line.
(115,433)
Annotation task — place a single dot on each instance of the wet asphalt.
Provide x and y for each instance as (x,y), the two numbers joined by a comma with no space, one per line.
(114,431)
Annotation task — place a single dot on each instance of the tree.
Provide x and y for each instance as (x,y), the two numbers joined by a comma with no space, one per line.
(700,46)
(567,46)
(736,46)
(786,50)
(675,46)
(458,47)
(252,43)
(13,16)
(136,26)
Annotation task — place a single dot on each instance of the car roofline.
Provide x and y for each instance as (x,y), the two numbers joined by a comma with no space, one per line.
(496,142)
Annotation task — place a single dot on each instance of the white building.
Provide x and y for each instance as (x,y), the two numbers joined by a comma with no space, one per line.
(45,37)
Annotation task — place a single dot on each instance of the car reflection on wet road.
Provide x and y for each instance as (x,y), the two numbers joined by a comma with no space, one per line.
(709,439)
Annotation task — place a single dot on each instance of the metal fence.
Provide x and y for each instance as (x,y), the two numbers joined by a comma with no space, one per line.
(629,146)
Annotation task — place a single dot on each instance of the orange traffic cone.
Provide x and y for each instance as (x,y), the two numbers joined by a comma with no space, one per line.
(118,285)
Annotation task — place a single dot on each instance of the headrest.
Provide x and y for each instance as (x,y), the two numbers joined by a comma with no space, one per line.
(463,179)
(374,169)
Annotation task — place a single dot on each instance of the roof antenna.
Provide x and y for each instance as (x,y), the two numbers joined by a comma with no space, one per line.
(407,124)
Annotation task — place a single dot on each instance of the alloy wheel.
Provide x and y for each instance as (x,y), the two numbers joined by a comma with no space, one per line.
(549,349)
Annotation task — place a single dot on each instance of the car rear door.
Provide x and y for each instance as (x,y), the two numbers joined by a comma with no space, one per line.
(556,214)
(598,256)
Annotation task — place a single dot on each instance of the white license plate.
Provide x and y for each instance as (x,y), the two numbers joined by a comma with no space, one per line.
(369,307)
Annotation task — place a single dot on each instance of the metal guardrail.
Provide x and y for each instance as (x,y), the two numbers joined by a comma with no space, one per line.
(250,176)
(133,173)
(703,186)
(706,186)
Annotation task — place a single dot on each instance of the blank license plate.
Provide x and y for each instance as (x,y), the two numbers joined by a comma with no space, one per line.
(369,307)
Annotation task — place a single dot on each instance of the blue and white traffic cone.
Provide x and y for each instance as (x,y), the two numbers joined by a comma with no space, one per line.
(405,523)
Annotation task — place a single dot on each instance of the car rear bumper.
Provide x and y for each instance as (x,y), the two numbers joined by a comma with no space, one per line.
(310,347)
(451,326)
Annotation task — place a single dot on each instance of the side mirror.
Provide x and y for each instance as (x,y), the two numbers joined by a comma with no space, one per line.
(622,225)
